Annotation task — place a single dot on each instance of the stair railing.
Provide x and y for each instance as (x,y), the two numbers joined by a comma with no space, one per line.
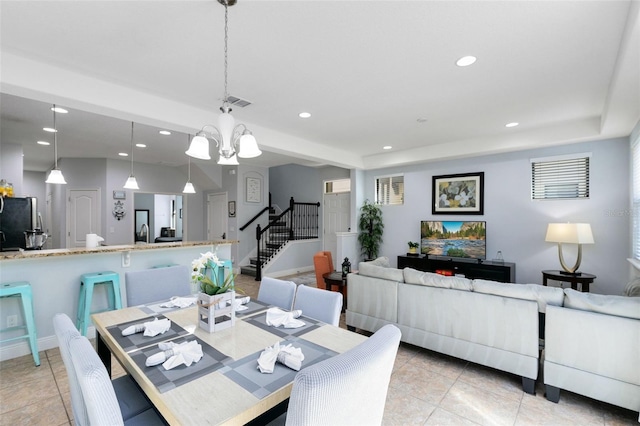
(302,221)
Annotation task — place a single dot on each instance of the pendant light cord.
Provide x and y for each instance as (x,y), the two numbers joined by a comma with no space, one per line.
(55,139)
(226,61)
(132,148)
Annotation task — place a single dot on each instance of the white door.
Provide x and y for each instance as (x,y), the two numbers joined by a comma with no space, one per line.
(216,216)
(337,208)
(48,228)
(83,215)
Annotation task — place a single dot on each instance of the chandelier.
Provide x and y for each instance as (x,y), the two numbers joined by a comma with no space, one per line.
(232,140)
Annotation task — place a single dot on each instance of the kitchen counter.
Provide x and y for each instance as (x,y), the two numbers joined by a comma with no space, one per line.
(31,254)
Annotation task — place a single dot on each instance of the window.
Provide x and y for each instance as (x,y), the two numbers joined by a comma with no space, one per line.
(390,190)
(635,194)
(564,177)
(337,186)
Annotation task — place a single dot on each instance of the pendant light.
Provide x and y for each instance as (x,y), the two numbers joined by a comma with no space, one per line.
(55,176)
(233,140)
(131,181)
(188,187)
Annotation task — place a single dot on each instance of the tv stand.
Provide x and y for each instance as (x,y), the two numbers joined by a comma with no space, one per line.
(487,270)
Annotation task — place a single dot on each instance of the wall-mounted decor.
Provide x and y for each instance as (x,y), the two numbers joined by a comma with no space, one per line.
(118,210)
(458,194)
(254,190)
(232,209)
(119,195)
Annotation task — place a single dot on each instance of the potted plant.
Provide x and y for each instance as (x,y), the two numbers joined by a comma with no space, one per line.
(370,226)
(413,247)
(217,293)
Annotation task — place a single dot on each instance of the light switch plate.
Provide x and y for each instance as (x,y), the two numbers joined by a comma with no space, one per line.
(126,259)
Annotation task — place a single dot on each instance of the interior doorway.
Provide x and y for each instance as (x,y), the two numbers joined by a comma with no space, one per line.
(336,212)
(83,215)
(217,216)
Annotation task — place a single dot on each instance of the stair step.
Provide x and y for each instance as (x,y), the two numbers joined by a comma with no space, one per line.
(248,270)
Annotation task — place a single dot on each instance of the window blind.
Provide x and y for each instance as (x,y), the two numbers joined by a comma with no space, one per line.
(390,190)
(561,178)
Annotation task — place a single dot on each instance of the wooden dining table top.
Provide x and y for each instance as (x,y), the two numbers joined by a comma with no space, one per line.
(214,398)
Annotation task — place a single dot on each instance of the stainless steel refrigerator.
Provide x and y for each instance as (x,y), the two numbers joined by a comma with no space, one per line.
(16,216)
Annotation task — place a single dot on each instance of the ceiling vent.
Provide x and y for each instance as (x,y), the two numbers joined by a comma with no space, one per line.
(238,102)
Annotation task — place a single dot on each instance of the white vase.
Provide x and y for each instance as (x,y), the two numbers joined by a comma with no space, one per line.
(216,312)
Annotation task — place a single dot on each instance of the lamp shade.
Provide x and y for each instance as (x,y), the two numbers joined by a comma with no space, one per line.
(131,183)
(248,146)
(573,233)
(231,161)
(199,148)
(189,189)
(56,177)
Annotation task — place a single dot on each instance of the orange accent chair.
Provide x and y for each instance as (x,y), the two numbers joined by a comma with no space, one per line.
(322,263)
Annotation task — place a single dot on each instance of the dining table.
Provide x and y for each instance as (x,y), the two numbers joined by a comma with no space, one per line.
(225,386)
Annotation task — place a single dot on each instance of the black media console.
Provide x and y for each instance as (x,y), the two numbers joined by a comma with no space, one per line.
(487,270)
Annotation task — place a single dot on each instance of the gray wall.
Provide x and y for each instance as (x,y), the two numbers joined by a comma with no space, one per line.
(516,225)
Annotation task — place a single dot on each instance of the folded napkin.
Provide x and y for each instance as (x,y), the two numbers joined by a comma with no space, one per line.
(173,355)
(277,317)
(150,328)
(239,302)
(179,302)
(287,355)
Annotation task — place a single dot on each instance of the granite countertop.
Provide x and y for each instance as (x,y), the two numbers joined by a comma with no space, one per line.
(30,254)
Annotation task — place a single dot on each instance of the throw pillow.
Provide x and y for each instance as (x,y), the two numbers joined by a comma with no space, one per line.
(430,279)
(622,306)
(541,294)
(368,269)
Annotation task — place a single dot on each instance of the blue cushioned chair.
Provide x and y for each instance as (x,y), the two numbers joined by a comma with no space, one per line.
(132,400)
(157,284)
(319,304)
(348,389)
(277,292)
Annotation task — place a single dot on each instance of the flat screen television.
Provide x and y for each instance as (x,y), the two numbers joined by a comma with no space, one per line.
(454,239)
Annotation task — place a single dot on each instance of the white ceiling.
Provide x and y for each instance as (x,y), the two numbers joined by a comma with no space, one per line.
(367,71)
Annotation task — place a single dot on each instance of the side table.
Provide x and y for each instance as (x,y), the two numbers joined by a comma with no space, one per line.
(583,279)
(334,278)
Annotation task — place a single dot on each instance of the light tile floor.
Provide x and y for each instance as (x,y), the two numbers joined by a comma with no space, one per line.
(426,388)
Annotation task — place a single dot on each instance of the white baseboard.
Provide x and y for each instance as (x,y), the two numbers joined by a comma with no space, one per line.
(22,347)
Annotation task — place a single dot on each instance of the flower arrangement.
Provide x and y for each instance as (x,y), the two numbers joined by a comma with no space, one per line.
(204,269)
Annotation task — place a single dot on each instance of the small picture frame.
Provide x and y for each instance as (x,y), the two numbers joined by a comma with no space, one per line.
(460,194)
(254,190)
(119,195)
(232,209)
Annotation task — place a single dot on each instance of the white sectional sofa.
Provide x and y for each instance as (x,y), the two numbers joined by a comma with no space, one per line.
(592,347)
(486,322)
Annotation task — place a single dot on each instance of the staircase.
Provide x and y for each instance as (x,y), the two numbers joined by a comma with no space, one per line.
(299,221)
(278,237)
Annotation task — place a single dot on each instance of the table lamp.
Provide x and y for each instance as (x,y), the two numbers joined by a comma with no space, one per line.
(571,233)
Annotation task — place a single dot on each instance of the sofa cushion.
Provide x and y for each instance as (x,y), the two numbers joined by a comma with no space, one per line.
(541,294)
(368,269)
(621,306)
(430,279)
(381,261)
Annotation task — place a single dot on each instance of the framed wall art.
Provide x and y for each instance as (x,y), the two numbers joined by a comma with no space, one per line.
(232,209)
(458,194)
(254,190)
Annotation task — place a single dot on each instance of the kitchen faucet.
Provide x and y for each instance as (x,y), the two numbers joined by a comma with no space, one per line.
(146,234)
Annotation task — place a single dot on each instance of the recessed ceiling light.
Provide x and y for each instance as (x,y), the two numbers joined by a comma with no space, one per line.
(164,132)
(60,110)
(49,129)
(43,143)
(514,124)
(304,115)
(387,147)
(123,154)
(465,61)
(141,145)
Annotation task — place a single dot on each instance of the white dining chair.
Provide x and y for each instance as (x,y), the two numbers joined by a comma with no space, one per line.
(157,284)
(277,292)
(323,305)
(131,402)
(348,389)
(101,402)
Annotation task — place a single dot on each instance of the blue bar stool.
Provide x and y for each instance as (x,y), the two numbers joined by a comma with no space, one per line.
(87,282)
(22,289)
